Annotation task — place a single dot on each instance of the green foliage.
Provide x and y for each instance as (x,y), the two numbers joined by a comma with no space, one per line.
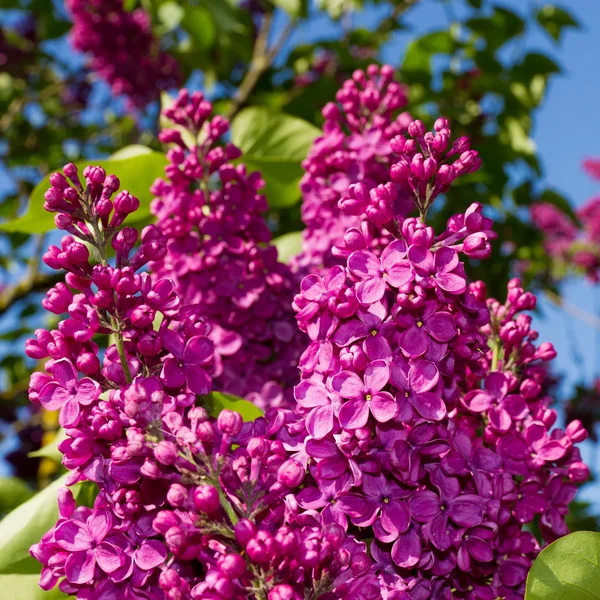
(568,569)
(13,491)
(288,245)
(274,144)
(51,450)
(136,169)
(555,20)
(215,402)
(26,524)
(25,587)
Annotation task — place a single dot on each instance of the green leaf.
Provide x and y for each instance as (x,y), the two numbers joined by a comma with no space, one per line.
(274,144)
(201,27)
(170,15)
(129,5)
(336,8)
(519,137)
(136,169)
(218,401)
(51,450)
(13,492)
(419,52)
(26,587)
(554,20)
(568,569)
(502,26)
(26,524)
(288,245)
(295,8)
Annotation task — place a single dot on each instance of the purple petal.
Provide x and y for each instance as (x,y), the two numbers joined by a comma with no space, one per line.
(496,385)
(477,401)
(377,347)
(451,282)
(87,391)
(64,372)
(348,385)
(499,419)
(80,567)
(311,498)
(414,341)
(406,552)
(69,413)
(423,376)
(551,451)
(310,393)
(446,259)
(466,510)
(424,506)
(376,376)
(395,516)
(198,379)
(399,274)
(319,421)
(370,290)
(422,260)
(383,406)
(439,533)
(364,264)
(150,555)
(479,549)
(198,351)
(172,374)
(353,505)
(440,326)
(312,287)
(173,343)
(72,536)
(98,525)
(429,405)
(109,557)
(350,332)
(393,254)
(53,396)
(354,414)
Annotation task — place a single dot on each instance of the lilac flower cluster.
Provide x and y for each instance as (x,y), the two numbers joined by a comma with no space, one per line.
(176,487)
(422,443)
(124,51)
(568,242)
(220,256)
(427,426)
(354,148)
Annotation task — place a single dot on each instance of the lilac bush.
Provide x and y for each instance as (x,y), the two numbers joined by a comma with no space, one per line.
(421,445)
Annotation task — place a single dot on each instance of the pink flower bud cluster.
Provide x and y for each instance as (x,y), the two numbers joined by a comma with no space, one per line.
(123,49)
(428,427)
(354,148)
(571,243)
(220,257)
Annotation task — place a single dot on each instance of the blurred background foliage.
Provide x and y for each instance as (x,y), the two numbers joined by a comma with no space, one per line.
(273,81)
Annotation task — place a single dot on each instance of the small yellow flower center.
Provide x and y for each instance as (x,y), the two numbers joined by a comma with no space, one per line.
(419,323)
(368,397)
(386,500)
(406,394)
(373,332)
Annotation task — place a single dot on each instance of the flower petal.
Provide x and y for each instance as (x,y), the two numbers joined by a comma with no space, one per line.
(198,379)
(80,567)
(429,405)
(424,506)
(383,407)
(364,264)
(466,510)
(370,290)
(354,414)
(319,421)
(406,552)
(348,385)
(150,555)
(109,557)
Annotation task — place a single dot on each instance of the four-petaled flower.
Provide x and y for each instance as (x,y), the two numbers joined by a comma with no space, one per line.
(66,393)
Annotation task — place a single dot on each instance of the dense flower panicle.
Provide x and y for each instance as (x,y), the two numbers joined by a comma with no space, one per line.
(123,49)
(427,422)
(220,258)
(568,242)
(354,148)
(422,442)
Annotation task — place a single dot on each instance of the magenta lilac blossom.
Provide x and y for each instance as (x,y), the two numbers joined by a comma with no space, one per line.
(221,260)
(123,50)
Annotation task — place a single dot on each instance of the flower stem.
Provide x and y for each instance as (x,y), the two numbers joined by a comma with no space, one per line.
(122,356)
(496,355)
